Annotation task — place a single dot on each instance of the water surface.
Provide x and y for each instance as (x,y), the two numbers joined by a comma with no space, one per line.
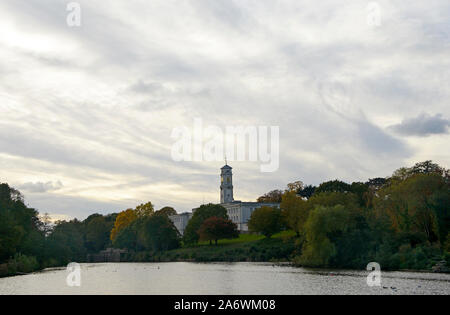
(220,279)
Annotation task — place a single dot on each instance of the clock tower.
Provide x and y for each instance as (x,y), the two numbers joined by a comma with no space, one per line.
(226,184)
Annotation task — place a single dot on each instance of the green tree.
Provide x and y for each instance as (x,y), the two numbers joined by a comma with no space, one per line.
(334,186)
(214,229)
(167,211)
(157,233)
(273,196)
(97,232)
(127,237)
(66,242)
(307,191)
(361,192)
(266,220)
(295,211)
(427,167)
(295,186)
(145,210)
(200,215)
(331,199)
(318,249)
(20,227)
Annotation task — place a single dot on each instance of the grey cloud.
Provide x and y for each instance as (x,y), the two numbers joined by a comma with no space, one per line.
(41,187)
(230,63)
(380,143)
(146,87)
(423,125)
(77,207)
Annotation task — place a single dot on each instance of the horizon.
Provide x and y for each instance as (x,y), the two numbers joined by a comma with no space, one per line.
(58,218)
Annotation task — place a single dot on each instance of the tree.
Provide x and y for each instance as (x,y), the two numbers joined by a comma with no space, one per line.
(266,220)
(127,237)
(215,228)
(318,249)
(295,211)
(200,215)
(145,210)
(97,232)
(295,186)
(124,219)
(376,183)
(307,191)
(417,204)
(427,167)
(273,196)
(361,191)
(20,228)
(157,233)
(333,186)
(331,199)
(167,211)
(66,242)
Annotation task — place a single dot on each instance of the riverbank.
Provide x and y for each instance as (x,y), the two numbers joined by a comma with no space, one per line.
(282,247)
(19,265)
(247,248)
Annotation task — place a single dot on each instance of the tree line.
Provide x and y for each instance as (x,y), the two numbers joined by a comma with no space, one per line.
(401,221)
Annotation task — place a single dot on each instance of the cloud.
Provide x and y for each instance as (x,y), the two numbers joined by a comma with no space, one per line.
(40,187)
(423,125)
(95,106)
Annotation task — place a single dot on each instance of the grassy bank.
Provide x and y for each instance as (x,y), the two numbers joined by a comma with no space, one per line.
(18,265)
(247,247)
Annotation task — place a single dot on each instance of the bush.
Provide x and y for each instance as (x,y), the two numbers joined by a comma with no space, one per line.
(19,264)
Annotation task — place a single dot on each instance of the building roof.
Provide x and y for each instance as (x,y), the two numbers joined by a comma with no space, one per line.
(226,167)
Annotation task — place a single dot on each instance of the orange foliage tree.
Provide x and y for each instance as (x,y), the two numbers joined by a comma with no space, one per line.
(124,219)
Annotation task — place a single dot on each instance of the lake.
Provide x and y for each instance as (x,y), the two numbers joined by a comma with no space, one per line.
(220,279)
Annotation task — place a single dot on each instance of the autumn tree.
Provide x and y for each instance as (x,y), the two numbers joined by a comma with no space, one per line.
(266,220)
(214,229)
(418,204)
(124,219)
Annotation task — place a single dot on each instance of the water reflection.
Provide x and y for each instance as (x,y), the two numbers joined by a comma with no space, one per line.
(221,279)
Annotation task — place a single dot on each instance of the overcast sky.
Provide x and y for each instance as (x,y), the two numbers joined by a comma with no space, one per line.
(86,113)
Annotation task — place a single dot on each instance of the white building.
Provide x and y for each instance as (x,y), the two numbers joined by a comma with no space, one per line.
(239,212)
(180,221)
